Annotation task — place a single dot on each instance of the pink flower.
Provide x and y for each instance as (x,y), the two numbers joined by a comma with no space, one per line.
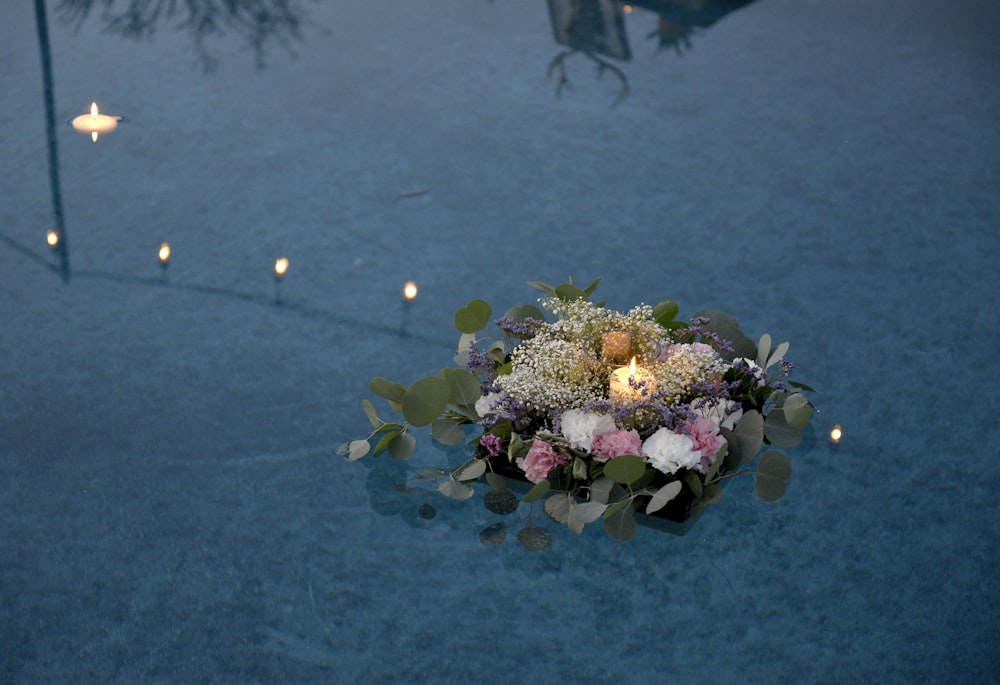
(492,443)
(615,443)
(541,459)
(705,435)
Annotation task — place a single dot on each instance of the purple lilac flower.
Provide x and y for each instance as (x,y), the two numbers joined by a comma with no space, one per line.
(492,443)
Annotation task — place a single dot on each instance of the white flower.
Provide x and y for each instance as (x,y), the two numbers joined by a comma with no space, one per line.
(725,413)
(668,452)
(580,427)
(487,403)
(756,371)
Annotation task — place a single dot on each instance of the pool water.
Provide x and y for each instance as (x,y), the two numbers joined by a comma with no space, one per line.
(173,508)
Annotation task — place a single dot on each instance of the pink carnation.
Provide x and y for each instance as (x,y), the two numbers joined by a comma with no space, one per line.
(705,435)
(615,443)
(541,459)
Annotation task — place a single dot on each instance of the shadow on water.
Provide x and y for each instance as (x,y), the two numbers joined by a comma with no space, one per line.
(596,29)
(259,23)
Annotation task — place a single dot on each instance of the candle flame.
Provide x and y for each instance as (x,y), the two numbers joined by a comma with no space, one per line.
(280,266)
(52,238)
(836,434)
(164,253)
(93,110)
(93,136)
(409,291)
(631,368)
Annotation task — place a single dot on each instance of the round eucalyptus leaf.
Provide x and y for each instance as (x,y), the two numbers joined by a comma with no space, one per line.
(473,316)
(797,410)
(537,492)
(772,476)
(625,469)
(447,432)
(402,446)
(501,502)
(463,386)
(455,490)
(621,524)
(663,495)
(493,535)
(665,312)
(472,470)
(534,538)
(557,507)
(425,400)
(525,311)
(779,433)
(390,390)
(746,438)
(496,481)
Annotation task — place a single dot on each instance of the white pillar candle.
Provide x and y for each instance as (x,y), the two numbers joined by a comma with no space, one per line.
(632,383)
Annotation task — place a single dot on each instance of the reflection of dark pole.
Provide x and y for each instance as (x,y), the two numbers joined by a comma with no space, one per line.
(50,131)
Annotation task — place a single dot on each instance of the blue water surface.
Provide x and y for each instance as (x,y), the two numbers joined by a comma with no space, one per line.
(172,506)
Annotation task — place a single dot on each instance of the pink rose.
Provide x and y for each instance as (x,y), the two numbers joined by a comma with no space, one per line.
(705,435)
(615,443)
(541,459)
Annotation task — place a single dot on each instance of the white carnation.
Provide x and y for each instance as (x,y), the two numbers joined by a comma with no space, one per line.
(487,403)
(669,452)
(581,427)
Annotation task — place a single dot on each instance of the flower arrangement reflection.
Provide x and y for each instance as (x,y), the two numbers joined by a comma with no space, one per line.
(605,414)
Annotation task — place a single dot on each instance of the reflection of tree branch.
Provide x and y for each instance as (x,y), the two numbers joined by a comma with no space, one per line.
(257,21)
(558,65)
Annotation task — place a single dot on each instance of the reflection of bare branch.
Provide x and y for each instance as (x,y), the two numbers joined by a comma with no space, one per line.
(257,21)
(558,64)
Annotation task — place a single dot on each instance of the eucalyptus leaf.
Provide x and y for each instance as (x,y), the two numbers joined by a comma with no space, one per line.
(425,400)
(465,342)
(579,468)
(663,495)
(473,316)
(463,386)
(746,437)
(625,469)
(665,312)
(693,482)
(779,433)
(582,514)
(390,390)
(455,490)
(600,489)
(472,470)
(589,290)
(402,446)
(544,287)
(712,493)
(557,507)
(777,355)
(496,481)
(569,292)
(537,492)
(621,523)
(797,410)
(720,458)
(728,328)
(763,349)
(772,475)
(447,432)
(356,449)
(429,473)
(525,311)
(371,413)
(383,442)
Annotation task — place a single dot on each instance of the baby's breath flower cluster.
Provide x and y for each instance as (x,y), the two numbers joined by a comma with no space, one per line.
(551,372)
(685,369)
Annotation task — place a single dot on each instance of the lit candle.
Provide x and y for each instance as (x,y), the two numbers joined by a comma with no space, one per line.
(280,267)
(632,383)
(165,254)
(410,291)
(836,434)
(52,238)
(95,122)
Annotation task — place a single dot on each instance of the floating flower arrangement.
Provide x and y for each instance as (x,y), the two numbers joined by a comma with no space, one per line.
(623,417)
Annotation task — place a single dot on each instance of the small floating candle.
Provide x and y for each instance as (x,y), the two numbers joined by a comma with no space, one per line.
(95,122)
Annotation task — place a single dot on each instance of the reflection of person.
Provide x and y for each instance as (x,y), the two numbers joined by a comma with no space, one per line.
(586,28)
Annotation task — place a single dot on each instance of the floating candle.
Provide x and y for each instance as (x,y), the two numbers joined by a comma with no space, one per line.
(632,383)
(410,291)
(95,122)
(280,267)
